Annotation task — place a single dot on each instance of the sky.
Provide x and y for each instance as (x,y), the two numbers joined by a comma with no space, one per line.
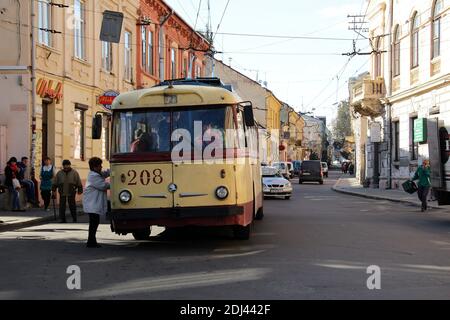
(301,72)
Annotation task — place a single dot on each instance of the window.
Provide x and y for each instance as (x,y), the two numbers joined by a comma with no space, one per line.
(415,41)
(45,21)
(150,65)
(413,146)
(185,68)
(396,141)
(144,48)
(436,30)
(173,63)
(107,56)
(79,29)
(128,57)
(144,131)
(79,130)
(396,52)
(378,58)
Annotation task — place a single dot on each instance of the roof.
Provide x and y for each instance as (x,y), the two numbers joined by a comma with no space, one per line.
(174,96)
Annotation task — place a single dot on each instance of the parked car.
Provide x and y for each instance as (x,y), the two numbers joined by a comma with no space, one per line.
(325,169)
(311,171)
(286,169)
(274,184)
(297,166)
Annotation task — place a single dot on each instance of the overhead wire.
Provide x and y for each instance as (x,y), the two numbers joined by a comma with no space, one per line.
(221,20)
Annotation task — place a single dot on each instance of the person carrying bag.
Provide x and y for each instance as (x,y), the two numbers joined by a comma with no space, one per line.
(423,175)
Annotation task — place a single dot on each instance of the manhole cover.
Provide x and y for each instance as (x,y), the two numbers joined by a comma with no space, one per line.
(31,238)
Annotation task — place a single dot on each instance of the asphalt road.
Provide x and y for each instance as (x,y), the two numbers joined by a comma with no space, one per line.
(318,245)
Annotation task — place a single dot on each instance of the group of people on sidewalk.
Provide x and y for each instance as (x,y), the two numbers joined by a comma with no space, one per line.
(68,184)
(348,167)
(17,177)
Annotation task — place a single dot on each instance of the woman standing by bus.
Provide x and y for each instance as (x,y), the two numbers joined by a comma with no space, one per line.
(95,200)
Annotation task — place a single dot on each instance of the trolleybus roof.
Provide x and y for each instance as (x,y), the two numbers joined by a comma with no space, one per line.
(186,92)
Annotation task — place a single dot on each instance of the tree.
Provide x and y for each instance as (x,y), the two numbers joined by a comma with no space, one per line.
(342,125)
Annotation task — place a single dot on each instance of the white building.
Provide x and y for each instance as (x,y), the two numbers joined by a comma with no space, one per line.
(410,80)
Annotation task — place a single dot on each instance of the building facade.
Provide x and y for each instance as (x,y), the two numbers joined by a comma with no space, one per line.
(292,125)
(410,75)
(75,70)
(266,106)
(313,132)
(167,47)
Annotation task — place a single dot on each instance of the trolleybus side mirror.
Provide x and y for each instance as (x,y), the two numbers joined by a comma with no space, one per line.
(97,126)
(248,115)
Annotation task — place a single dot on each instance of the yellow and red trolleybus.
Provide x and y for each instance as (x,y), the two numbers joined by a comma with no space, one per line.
(184,153)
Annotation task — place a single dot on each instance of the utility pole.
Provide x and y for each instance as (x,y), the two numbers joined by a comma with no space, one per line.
(33,88)
(358,24)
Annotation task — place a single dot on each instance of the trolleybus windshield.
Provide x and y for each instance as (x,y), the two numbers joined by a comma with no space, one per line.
(151,131)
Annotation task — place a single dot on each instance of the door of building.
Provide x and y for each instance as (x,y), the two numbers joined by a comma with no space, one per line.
(44,130)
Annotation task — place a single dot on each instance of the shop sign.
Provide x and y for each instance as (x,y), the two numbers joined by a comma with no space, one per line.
(46,89)
(420,130)
(375,132)
(107,99)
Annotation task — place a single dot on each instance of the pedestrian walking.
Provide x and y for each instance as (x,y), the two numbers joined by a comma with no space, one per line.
(423,175)
(95,199)
(68,183)
(12,172)
(46,176)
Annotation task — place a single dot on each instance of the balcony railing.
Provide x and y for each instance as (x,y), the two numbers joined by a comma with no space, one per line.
(366,97)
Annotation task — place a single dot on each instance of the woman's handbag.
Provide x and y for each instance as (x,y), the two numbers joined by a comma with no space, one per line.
(410,187)
(16,184)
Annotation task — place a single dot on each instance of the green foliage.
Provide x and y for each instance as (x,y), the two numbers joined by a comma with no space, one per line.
(342,126)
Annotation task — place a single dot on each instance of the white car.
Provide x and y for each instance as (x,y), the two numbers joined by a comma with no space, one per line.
(286,169)
(274,184)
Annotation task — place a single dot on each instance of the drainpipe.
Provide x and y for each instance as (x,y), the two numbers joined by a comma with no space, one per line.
(33,90)
(162,47)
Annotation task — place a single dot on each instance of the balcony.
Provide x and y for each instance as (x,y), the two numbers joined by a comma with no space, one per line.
(366,95)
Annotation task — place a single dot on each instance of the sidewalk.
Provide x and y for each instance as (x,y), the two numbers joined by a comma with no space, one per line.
(351,186)
(17,220)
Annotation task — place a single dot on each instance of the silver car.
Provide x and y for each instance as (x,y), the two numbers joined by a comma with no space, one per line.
(274,184)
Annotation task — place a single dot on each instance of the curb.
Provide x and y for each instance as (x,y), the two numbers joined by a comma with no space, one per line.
(357,194)
(31,223)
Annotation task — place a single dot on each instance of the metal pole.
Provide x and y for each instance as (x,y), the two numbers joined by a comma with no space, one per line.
(33,89)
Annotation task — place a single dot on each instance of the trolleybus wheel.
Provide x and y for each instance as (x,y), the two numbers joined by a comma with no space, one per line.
(241,232)
(260,214)
(143,234)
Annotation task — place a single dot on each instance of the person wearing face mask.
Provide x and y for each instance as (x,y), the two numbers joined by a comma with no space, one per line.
(68,183)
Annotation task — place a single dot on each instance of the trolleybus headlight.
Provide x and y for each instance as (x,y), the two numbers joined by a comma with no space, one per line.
(222,193)
(125,196)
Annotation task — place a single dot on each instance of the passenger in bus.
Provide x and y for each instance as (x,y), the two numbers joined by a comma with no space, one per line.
(142,143)
(163,134)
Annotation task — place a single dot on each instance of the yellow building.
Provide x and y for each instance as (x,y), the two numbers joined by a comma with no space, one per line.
(292,134)
(296,125)
(73,69)
(273,108)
